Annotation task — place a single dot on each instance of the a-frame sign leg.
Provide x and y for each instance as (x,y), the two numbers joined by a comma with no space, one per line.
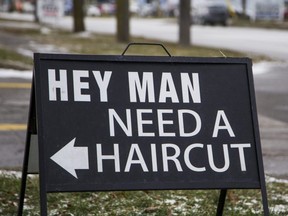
(265,201)
(24,175)
(221,202)
(264,193)
(222,197)
(31,129)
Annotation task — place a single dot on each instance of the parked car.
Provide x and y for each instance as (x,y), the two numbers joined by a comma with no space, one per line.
(170,8)
(148,9)
(210,12)
(108,8)
(68,7)
(93,10)
(28,7)
(286,10)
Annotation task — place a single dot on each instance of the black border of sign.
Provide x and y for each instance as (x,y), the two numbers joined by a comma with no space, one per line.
(35,105)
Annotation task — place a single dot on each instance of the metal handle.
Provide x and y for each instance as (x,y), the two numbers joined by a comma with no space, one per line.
(146,44)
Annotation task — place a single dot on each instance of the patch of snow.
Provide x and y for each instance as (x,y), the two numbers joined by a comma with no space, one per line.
(270,179)
(11,73)
(41,48)
(45,47)
(85,34)
(260,68)
(45,30)
(266,67)
(280,209)
(16,174)
(17,16)
(181,208)
(170,201)
(25,52)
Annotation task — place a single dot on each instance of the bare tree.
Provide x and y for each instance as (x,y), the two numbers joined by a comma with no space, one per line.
(36,18)
(78,16)
(184,22)
(123,30)
(244,7)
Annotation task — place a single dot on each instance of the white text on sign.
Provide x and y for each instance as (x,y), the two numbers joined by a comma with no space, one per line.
(181,89)
(189,86)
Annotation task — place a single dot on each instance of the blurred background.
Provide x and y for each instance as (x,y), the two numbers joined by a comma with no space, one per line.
(204,11)
(256,29)
(253,10)
(212,28)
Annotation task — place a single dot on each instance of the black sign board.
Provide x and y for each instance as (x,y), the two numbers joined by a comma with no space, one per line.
(134,123)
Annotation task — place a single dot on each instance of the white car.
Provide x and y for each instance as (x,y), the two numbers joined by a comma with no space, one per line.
(93,10)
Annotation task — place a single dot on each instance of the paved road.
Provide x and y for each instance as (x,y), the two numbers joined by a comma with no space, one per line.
(270,83)
(14,103)
(272,104)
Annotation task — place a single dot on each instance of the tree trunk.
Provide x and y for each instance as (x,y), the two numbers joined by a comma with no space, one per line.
(184,22)
(123,30)
(78,15)
(244,7)
(36,18)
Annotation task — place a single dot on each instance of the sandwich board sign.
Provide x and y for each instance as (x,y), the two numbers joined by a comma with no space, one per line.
(108,123)
(50,9)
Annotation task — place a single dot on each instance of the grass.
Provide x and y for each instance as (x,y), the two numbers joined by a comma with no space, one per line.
(11,59)
(160,203)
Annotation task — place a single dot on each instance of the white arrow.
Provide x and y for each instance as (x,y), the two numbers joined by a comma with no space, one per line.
(71,158)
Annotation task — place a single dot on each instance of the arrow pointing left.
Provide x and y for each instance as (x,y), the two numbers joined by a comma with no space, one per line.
(71,158)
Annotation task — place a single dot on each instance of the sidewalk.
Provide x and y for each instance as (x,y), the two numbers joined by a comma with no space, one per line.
(274,141)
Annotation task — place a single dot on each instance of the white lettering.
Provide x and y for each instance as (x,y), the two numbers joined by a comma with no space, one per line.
(135,149)
(181,123)
(162,122)
(187,88)
(113,115)
(173,158)
(187,158)
(154,158)
(211,159)
(141,122)
(79,85)
(103,84)
(101,157)
(57,84)
(241,153)
(167,89)
(226,126)
(147,86)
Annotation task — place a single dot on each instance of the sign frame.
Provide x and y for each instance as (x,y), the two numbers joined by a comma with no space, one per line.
(35,126)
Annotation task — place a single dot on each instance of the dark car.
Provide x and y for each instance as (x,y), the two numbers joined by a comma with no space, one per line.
(286,10)
(210,12)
